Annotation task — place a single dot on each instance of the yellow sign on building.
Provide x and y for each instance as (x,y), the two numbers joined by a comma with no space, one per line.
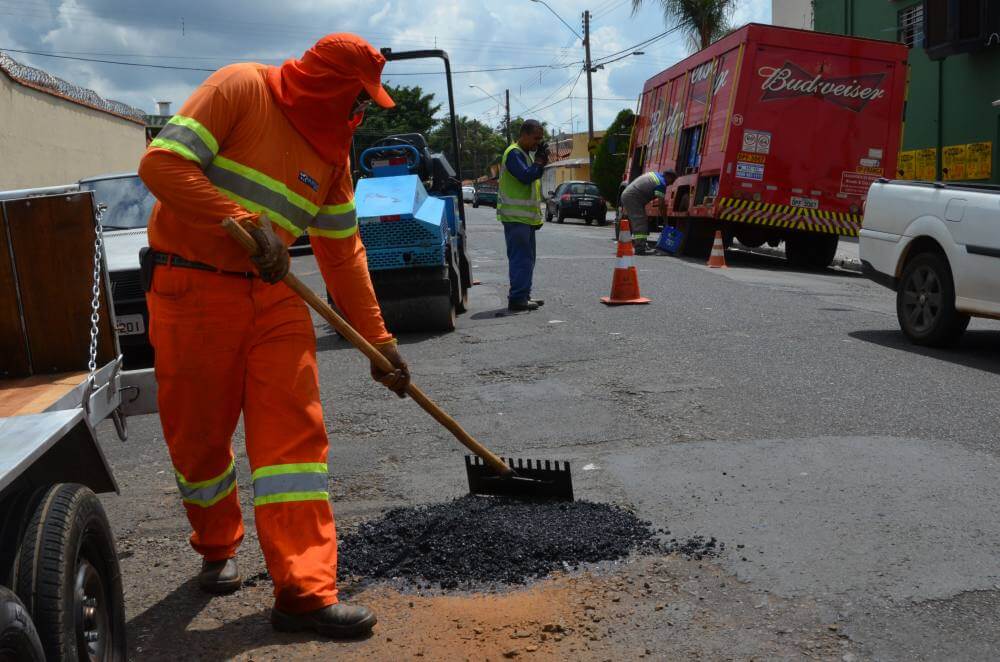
(907,166)
(926,166)
(979,160)
(953,160)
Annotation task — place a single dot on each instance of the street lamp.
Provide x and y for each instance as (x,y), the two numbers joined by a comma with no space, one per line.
(542,2)
(601,65)
(507,122)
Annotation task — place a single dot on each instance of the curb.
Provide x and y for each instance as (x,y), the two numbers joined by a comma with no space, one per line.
(845,263)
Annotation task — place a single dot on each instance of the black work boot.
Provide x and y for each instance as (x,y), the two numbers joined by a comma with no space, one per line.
(537,302)
(520,306)
(219,577)
(641,247)
(337,621)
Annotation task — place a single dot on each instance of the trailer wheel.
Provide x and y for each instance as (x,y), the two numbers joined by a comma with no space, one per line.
(18,638)
(68,577)
(811,251)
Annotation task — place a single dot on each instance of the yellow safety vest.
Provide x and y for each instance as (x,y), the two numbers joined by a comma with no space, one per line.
(518,202)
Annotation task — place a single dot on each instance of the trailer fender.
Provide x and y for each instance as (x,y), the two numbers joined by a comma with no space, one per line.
(39,450)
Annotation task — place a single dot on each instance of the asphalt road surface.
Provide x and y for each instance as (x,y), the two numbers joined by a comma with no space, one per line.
(851,475)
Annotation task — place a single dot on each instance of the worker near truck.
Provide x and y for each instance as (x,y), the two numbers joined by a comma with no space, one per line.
(643,190)
(519,209)
(269,143)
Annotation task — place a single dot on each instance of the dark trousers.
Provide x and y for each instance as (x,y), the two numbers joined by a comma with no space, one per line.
(520,239)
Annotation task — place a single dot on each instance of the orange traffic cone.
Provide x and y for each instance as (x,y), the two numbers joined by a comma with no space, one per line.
(625,284)
(717,260)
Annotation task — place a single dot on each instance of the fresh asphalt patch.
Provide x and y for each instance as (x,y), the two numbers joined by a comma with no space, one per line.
(481,542)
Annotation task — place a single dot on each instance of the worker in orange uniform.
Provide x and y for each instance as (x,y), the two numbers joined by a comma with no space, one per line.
(230,338)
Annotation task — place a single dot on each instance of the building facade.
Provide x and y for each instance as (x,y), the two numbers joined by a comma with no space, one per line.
(570,161)
(56,133)
(952,128)
(792,13)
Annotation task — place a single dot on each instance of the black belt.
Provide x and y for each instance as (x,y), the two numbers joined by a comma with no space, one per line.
(177,261)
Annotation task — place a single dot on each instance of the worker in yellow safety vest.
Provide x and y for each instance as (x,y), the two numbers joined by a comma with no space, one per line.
(519,209)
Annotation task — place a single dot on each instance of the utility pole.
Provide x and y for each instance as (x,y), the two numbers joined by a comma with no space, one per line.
(590,88)
(508,116)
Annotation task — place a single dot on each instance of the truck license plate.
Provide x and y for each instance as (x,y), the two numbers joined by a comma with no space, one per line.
(131,325)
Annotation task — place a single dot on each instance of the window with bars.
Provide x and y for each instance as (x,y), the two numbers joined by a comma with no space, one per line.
(911,25)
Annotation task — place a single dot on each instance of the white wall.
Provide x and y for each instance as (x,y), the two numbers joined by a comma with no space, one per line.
(46,140)
(792,13)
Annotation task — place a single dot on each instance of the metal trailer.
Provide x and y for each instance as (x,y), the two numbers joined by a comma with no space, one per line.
(60,376)
(412,222)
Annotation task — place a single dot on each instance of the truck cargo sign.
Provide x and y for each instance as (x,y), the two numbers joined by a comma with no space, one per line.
(791,81)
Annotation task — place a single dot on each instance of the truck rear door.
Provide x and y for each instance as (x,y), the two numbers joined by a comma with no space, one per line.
(817,128)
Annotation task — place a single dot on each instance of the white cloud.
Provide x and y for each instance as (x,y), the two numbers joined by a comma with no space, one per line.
(478,34)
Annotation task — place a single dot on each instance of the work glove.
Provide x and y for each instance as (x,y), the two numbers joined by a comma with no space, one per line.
(272,257)
(397,380)
(542,154)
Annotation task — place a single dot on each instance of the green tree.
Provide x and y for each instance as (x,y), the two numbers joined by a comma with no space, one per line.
(612,156)
(414,113)
(705,21)
(480,145)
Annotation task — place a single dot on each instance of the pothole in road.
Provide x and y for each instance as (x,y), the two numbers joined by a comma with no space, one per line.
(476,542)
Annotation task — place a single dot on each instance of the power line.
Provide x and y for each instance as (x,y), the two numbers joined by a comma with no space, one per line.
(180,68)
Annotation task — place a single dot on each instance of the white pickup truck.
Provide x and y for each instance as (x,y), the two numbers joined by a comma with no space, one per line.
(938,246)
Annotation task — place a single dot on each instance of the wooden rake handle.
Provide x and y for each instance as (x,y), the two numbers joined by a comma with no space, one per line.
(237,232)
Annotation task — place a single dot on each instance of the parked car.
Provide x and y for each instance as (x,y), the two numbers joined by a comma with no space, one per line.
(486,194)
(938,246)
(468,193)
(576,200)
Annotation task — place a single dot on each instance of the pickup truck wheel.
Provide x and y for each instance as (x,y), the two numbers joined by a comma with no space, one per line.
(18,638)
(811,251)
(68,577)
(925,302)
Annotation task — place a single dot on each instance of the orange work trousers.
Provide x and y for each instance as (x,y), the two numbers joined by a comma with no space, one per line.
(227,345)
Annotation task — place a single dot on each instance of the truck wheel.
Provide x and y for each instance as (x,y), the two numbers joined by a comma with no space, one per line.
(697,238)
(925,302)
(18,638)
(811,251)
(68,577)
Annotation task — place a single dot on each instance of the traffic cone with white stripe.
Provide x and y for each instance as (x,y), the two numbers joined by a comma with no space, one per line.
(717,260)
(625,284)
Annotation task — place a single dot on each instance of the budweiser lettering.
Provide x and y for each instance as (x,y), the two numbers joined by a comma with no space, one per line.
(791,80)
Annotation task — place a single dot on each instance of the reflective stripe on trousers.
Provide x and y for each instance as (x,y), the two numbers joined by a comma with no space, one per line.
(283,483)
(207,493)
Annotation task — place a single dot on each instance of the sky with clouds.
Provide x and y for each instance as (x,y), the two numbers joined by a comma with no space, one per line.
(478,34)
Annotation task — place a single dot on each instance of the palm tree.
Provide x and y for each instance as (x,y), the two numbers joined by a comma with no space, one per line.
(705,21)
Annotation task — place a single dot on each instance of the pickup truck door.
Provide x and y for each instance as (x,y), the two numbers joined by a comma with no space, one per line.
(974,220)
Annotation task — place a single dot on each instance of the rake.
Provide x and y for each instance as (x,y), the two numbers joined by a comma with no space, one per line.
(487,473)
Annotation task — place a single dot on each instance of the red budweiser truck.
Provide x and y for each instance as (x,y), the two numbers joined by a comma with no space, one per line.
(776,135)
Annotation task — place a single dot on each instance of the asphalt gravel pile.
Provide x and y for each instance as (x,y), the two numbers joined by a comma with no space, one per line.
(476,541)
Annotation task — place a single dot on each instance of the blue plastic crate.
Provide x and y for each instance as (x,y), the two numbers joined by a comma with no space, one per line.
(670,240)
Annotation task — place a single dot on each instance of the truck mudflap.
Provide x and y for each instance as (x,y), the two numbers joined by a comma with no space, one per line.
(789,217)
(52,447)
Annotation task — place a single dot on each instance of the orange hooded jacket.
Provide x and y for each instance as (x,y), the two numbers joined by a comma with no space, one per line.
(255,139)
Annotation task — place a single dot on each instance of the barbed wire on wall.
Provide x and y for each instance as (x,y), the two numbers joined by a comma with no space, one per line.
(43,80)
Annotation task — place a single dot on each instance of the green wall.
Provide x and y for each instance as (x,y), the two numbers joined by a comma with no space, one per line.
(950,102)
